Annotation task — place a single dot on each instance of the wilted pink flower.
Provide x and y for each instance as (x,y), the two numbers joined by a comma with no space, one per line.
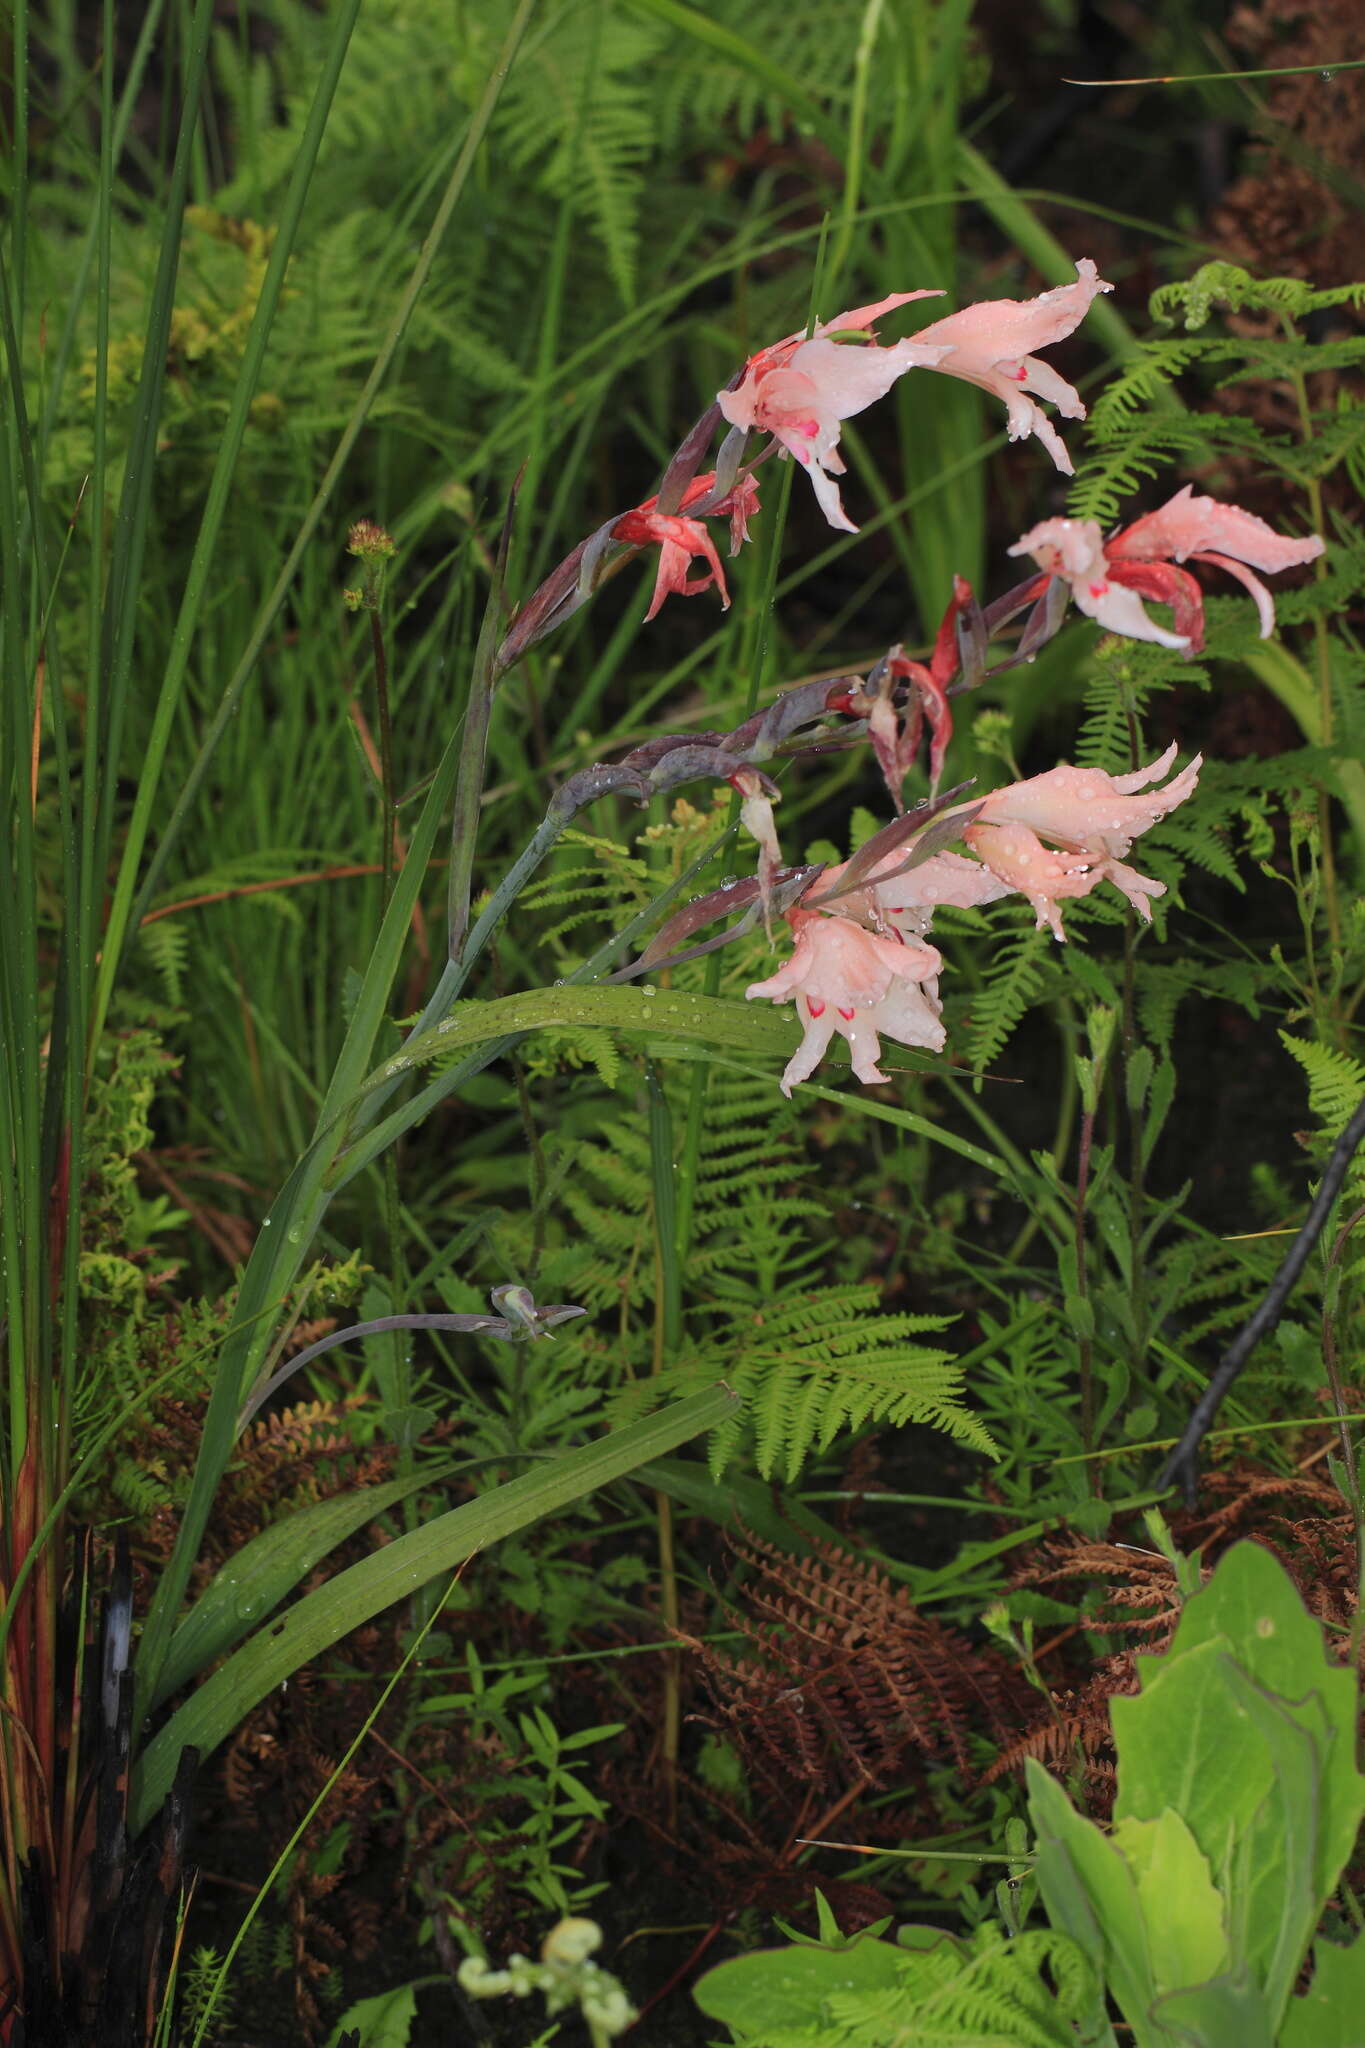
(847,980)
(757,795)
(895,736)
(1110,578)
(991,346)
(1092,817)
(739,504)
(678,539)
(801,388)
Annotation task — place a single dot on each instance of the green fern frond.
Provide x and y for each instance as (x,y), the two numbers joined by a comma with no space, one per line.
(570,1047)
(578,112)
(167,945)
(1146,380)
(828,1362)
(1336,1087)
(1227,284)
(1123,676)
(1014,981)
(1133,451)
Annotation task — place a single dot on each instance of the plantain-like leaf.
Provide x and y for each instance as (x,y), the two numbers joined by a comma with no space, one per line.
(394,1573)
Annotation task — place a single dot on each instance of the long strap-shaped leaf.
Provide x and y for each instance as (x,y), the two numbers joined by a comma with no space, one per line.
(302,1202)
(251,1585)
(360,412)
(323,1617)
(220,485)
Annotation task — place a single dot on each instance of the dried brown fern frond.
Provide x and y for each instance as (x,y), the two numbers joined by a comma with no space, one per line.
(846,1680)
(1300,1517)
(1134,1590)
(1072,1733)
(311,1429)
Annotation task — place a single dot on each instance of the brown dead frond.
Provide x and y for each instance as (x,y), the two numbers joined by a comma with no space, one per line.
(1133,1594)
(1070,1734)
(845,1680)
(1301,1517)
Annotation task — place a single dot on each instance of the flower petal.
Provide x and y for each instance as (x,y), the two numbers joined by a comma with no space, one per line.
(1187,525)
(996,328)
(1265,603)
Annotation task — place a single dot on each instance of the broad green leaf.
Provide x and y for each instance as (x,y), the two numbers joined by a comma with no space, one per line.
(1274,1899)
(1331,2013)
(1227,2013)
(1252,1602)
(1244,1776)
(1185,1743)
(1091,1894)
(397,1571)
(1186,1938)
(788,1987)
(254,1581)
(384,2022)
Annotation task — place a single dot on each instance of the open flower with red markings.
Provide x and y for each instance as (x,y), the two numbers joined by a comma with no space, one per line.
(1110,578)
(991,345)
(801,388)
(848,980)
(680,539)
(1090,817)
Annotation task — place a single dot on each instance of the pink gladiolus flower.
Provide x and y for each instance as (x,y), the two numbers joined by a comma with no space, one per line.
(992,343)
(678,539)
(847,980)
(1020,859)
(905,904)
(801,388)
(1093,817)
(1110,578)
